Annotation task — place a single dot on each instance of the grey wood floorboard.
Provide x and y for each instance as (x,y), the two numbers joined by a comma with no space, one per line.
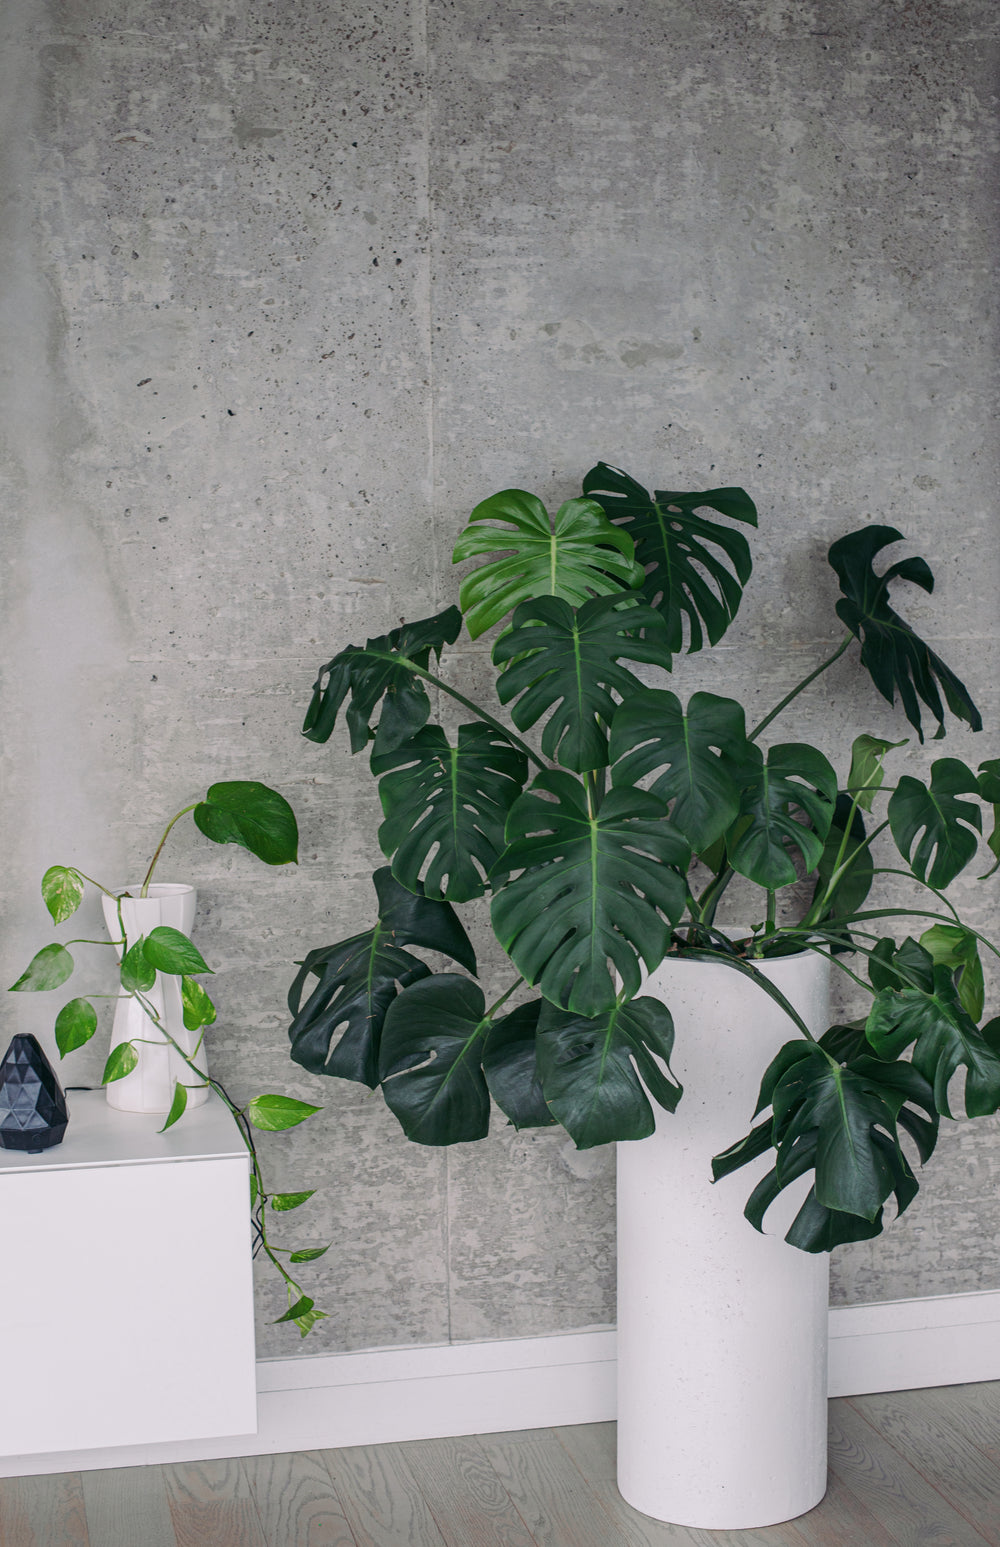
(380,1498)
(126,1506)
(469,1503)
(212,1505)
(297,1502)
(973,1410)
(912,1510)
(42,1511)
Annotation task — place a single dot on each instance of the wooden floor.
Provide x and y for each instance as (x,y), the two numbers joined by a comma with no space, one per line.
(911,1469)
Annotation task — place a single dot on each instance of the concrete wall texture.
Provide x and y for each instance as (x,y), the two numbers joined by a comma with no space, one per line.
(287,287)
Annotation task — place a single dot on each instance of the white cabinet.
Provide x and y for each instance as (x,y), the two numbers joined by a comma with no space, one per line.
(126,1292)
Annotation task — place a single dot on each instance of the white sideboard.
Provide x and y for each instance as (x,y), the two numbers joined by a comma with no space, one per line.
(126,1291)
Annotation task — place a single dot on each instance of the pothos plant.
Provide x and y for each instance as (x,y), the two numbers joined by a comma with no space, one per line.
(260,820)
(609,840)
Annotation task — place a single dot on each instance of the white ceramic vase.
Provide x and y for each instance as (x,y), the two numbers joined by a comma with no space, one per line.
(722,1332)
(150,1086)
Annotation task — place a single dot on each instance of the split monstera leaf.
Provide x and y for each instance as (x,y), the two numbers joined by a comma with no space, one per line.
(605,818)
(260,820)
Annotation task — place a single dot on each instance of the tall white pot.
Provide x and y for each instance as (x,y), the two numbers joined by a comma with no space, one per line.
(722,1332)
(150,1086)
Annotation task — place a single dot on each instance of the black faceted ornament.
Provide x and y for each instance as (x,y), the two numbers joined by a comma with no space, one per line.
(33,1113)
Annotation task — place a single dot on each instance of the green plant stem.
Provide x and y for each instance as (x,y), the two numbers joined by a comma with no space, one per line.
(765,722)
(488,719)
(818,908)
(159,847)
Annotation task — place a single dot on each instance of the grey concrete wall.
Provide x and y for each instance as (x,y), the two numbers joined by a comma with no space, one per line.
(286,289)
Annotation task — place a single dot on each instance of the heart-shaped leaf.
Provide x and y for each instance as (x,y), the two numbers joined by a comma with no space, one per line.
(178,1106)
(75,1025)
(588,1068)
(283,1201)
(198,1009)
(48,968)
(594,887)
(696,755)
(62,891)
(259,819)
(896,659)
(274,1113)
(565,662)
(309,1253)
(360,977)
(168,950)
(445,808)
(795,780)
(576,555)
(936,832)
(430,1060)
(511,1067)
(945,1039)
(695,568)
(384,671)
(136,973)
(121,1061)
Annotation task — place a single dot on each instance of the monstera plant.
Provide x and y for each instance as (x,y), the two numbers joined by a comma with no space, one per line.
(606,819)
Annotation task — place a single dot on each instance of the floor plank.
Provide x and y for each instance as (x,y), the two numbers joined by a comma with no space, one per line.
(841,1519)
(297,1502)
(128,1505)
(940,1452)
(973,1410)
(212,1505)
(913,1512)
(43,1511)
(549,1492)
(470,1505)
(380,1498)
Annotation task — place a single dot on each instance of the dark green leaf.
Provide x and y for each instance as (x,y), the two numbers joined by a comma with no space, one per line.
(591,888)
(757,1142)
(62,891)
(896,659)
(75,1025)
(430,1062)
(989,790)
(168,950)
(795,779)
(936,832)
(381,672)
(511,1068)
(177,1105)
(695,568)
(845,871)
(359,978)
(198,1009)
(567,663)
(245,812)
(588,1070)
(121,1061)
(283,1201)
(698,754)
(299,1308)
(48,968)
(954,946)
(945,1039)
(575,556)
(908,966)
(309,1254)
(865,778)
(273,1113)
(137,972)
(445,808)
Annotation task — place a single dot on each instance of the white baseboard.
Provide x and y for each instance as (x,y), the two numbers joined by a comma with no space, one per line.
(382,1395)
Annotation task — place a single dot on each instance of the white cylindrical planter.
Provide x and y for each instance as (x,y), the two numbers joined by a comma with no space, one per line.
(150,1086)
(722,1332)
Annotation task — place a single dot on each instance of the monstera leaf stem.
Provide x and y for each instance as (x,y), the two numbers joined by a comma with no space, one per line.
(789,697)
(842,865)
(477,710)
(921,913)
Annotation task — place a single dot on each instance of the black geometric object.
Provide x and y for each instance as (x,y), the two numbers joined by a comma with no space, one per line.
(33,1113)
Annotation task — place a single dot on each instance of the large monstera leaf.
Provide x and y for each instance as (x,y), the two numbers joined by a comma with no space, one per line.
(695,568)
(431,1060)
(594,886)
(567,661)
(445,808)
(836,1111)
(696,755)
(588,1069)
(945,1038)
(575,555)
(359,978)
(795,778)
(384,671)
(936,831)
(896,659)
(510,1065)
